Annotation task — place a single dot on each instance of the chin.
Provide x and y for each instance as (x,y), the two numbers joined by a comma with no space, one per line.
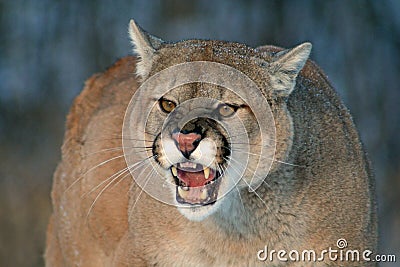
(199,213)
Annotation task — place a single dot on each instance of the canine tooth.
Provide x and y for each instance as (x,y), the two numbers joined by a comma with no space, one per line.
(182,192)
(204,194)
(206,172)
(185,188)
(174,171)
(194,166)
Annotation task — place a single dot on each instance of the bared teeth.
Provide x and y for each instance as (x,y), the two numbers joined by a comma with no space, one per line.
(188,165)
(206,173)
(204,194)
(174,171)
(182,192)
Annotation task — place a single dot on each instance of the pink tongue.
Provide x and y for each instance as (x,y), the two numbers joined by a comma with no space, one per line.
(194,179)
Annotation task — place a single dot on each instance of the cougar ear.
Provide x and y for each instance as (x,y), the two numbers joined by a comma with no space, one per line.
(144,46)
(286,66)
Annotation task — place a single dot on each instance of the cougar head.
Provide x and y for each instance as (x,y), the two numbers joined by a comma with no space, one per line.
(205,112)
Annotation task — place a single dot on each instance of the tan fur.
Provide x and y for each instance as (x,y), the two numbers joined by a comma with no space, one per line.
(326,192)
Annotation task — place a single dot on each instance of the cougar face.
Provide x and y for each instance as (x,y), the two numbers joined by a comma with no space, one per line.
(192,147)
(212,138)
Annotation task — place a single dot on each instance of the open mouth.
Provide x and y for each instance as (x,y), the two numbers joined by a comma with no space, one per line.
(195,183)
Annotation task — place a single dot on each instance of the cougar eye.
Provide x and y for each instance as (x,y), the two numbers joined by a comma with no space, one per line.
(166,105)
(226,110)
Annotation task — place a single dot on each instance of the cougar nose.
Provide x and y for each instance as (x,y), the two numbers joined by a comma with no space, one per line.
(186,142)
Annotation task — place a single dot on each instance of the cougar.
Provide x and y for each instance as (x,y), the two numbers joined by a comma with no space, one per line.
(211,153)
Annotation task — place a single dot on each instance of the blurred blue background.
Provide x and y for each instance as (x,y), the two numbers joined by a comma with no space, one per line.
(49,48)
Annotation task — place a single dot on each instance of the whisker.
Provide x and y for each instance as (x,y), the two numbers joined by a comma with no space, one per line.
(140,151)
(155,156)
(106,180)
(136,165)
(104,150)
(267,184)
(254,191)
(237,135)
(152,134)
(254,173)
(98,196)
(91,169)
(136,139)
(290,164)
(246,134)
(267,145)
(221,169)
(141,191)
(128,173)
(128,168)
(124,134)
(120,180)
(279,161)
(250,144)
(119,173)
(117,138)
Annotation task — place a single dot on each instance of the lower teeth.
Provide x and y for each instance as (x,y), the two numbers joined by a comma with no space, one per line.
(182,193)
(204,194)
